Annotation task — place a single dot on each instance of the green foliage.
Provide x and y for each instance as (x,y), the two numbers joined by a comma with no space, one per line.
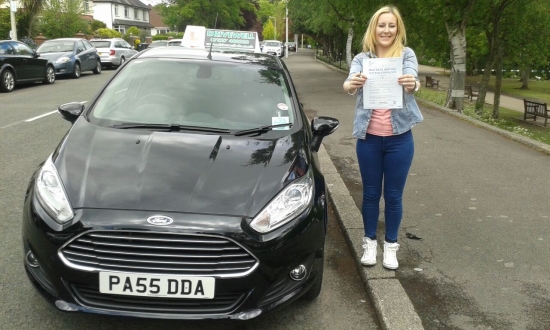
(61,18)
(95,25)
(5,24)
(268,31)
(134,31)
(108,33)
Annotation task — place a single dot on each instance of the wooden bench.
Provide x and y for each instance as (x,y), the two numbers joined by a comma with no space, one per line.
(534,109)
(431,82)
(470,93)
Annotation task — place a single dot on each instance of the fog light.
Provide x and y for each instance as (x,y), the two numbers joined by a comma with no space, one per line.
(31,260)
(64,306)
(247,315)
(298,273)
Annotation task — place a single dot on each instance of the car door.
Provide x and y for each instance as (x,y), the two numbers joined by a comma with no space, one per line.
(33,66)
(129,50)
(88,55)
(9,57)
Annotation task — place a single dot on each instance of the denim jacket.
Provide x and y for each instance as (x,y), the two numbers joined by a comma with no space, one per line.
(403,119)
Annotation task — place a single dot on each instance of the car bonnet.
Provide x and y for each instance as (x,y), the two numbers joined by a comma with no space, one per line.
(109,168)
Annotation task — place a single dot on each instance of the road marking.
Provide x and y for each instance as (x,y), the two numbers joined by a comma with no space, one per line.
(38,117)
(29,120)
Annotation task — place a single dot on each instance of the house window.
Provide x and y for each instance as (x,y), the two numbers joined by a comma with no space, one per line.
(126,12)
(116,10)
(86,6)
(136,16)
(120,28)
(144,16)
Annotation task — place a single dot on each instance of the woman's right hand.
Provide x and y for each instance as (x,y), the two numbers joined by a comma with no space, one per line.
(357,81)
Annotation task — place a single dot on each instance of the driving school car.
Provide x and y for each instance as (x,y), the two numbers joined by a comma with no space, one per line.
(188,188)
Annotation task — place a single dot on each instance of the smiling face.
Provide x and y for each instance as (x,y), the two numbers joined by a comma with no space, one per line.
(386,30)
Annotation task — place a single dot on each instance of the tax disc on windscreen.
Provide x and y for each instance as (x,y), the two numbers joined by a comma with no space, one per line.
(282,106)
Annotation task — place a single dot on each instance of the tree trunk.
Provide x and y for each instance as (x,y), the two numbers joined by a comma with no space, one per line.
(455,94)
(349,43)
(525,78)
(483,88)
(498,84)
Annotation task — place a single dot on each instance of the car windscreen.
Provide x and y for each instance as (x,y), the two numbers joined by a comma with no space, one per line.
(213,94)
(56,46)
(158,44)
(273,44)
(101,44)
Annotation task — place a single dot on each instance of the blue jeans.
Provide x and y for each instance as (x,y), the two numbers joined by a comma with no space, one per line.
(384,159)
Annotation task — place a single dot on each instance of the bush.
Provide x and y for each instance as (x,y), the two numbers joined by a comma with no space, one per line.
(108,33)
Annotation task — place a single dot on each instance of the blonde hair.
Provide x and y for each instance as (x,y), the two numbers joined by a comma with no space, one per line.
(369,39)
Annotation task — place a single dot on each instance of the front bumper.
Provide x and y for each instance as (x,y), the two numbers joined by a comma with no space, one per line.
(266,287)
(64,68)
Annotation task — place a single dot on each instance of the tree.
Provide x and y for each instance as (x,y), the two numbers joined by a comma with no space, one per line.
(180,13)
(95,25)
(61,18)
(268,31)
(108,33)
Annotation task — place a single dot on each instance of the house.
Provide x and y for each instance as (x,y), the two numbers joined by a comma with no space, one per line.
(120,15)
(159,27)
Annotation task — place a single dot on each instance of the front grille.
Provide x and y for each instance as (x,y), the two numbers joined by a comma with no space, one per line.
(221,304)
(158,253)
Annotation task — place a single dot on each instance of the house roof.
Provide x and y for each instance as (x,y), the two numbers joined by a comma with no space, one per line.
(133,23)
(131,3)
(155,19)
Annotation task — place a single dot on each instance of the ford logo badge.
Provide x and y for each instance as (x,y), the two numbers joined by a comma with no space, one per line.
(160,220)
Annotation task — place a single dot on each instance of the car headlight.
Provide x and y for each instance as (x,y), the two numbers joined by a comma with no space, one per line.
(286,206)
(63,59)
(51,194)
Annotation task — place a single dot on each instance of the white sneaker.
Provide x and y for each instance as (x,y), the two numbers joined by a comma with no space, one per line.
(390,255)
(369,251)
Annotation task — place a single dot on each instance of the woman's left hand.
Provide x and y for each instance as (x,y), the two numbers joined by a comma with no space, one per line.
(408,81)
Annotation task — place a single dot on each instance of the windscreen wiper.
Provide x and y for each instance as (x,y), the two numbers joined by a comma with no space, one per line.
(171,127)
(261,129)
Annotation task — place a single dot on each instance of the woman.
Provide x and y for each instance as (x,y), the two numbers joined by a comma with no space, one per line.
(385,145)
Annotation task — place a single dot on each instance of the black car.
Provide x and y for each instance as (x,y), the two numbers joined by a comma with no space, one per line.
(188,188)
(291,46)
(21,64)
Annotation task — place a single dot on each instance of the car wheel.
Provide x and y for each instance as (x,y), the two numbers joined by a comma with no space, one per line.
(50,75)
(315,289)
(76,71)
(97,69)
(7,81)
(122,60)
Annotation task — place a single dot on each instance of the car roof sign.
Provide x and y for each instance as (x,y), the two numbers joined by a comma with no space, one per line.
(201,37)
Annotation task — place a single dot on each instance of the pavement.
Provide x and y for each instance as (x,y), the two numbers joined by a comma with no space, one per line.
(468,187)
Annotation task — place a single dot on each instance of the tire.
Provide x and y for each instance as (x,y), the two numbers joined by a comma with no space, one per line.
(50,75)
(97,69)
(122,60)
(76,71)
(315,289)
(7,81)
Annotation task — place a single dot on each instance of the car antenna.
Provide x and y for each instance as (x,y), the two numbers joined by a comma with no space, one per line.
(211,42)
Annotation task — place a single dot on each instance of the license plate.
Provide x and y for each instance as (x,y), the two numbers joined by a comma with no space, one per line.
(168,286)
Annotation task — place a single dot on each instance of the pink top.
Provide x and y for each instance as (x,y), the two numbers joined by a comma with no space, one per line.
(380,123)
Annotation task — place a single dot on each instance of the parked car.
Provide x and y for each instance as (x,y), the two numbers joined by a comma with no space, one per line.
(20,64)
(71,56)
(113,52)
(273,47)
(187,188)
(291,46)
(158,43)
(175,42)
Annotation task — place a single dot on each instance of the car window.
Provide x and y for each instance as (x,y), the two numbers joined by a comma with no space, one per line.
(126,45)
(6,49)
(55,46)
(273,43)
(80,46)
(208,94)
(101,44)
(87,44)
(22,49)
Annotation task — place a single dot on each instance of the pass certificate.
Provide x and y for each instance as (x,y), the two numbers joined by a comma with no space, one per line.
(381,90)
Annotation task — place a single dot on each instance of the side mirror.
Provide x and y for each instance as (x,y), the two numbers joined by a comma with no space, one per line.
(71,111)
(321,127)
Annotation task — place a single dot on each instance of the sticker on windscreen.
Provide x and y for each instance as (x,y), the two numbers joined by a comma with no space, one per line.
(280,120)
(282,106)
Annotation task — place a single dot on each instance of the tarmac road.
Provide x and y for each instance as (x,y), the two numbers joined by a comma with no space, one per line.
(480,201)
